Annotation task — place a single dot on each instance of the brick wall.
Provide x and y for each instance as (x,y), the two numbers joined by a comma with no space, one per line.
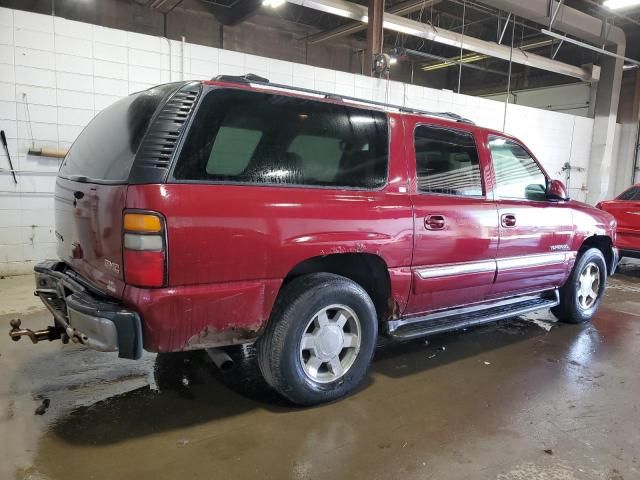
(69,71)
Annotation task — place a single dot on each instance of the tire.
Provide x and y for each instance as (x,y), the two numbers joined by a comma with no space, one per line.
(297,321)
(576,306)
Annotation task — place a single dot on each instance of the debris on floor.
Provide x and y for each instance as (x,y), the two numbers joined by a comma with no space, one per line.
(42,408)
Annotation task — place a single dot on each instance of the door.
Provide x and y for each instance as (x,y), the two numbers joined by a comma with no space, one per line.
(455,225)
(535,233)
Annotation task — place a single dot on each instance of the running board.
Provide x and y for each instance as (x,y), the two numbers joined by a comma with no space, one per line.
(406,329)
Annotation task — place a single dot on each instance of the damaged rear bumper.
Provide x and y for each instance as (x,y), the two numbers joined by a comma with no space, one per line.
(86,317)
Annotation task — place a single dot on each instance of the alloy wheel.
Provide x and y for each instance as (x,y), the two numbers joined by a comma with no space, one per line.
(330,343)
(588,286)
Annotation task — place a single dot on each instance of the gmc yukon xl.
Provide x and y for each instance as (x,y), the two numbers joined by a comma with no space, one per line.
(200,215)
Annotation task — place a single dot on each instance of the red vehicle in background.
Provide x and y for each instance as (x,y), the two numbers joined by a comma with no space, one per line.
(626,210)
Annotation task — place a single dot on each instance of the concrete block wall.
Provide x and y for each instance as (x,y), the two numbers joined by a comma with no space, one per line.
(60,73)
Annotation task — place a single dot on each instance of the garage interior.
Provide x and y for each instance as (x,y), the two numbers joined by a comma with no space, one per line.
(525,398)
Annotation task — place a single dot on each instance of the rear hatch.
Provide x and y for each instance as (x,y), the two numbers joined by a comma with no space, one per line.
(91,188)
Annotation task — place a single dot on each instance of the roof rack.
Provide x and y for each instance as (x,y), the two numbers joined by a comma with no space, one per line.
(255,79)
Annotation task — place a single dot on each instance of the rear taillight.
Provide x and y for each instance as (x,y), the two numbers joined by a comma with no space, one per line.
(145,249)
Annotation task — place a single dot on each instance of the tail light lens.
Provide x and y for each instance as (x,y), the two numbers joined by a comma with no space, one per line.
(145,249)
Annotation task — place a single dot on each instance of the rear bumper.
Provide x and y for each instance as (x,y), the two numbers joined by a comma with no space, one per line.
(88,318)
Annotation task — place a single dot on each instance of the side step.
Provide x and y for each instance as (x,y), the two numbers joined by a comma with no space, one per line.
(408,328)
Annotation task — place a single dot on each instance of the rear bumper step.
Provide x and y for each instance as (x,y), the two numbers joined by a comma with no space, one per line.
(407,329)
(81,315)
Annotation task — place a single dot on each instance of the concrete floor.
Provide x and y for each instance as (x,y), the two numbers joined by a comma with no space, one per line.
(505,401)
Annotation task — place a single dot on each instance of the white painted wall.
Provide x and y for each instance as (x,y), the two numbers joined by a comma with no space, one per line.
(573,98)
(70,71)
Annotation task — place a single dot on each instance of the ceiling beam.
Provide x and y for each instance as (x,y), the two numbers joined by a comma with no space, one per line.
(404,8)
(354,11)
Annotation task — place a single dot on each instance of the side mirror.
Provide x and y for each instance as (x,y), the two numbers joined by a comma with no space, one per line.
(557,191)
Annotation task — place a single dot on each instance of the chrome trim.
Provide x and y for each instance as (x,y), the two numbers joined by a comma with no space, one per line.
(485,266)
(458,269)
(538,260)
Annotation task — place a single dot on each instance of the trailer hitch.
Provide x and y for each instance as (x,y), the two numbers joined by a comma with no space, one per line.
(50,333)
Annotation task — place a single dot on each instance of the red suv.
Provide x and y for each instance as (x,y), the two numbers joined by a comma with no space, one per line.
(201,215)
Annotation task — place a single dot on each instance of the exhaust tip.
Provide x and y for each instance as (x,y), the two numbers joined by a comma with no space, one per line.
(221,359)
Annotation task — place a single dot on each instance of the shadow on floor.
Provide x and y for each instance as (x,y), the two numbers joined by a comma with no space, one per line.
(192,391)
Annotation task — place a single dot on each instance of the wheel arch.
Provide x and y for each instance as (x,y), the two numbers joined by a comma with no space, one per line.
(368,270)
(605,245)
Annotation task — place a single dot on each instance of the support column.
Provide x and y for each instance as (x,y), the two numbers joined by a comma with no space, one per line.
(602,166)
(374,34)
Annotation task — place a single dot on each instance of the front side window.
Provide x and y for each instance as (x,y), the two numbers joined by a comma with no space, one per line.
(447,162)
(633,194)
(251,137)
(518,176)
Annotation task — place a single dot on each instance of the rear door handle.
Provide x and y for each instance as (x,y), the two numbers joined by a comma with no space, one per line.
(508,220)
(434,222)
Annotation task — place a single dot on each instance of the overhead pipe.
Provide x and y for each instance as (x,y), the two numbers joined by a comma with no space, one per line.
(567,19)
(399,24)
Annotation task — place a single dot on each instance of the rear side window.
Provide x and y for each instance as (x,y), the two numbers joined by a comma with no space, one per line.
(633,194)
(106,148)
(447,162)
(250,137)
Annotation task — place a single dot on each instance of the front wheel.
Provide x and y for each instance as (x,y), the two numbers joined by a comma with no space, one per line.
(582,293)
(320,339)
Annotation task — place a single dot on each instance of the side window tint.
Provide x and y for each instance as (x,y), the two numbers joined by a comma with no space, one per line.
(633,194)
(251,137)
(232,150)
(517,174)
(447,162)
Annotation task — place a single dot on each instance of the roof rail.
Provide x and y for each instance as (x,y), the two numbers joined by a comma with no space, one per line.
(255,79)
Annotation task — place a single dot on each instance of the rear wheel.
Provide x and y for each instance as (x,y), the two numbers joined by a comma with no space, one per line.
(580,296)
(320,339)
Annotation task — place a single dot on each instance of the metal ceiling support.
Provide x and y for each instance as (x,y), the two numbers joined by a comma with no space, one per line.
(375,12)
(234,14)
(568,20)
(602,51)
(554,54)
(555,13)
(402,9)
(395,23)
(504,30)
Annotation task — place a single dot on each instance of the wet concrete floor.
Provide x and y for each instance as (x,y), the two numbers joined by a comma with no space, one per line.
(505,401)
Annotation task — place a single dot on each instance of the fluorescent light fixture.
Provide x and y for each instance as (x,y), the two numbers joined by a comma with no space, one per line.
(617,4)
(273,3)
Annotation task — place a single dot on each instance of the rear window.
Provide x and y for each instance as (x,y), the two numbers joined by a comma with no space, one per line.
(106,148)
(251,137)
(633,194)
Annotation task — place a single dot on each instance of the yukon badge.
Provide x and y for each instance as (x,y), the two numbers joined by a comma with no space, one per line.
(113,266)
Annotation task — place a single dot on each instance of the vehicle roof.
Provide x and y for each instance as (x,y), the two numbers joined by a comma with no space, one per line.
(396,110)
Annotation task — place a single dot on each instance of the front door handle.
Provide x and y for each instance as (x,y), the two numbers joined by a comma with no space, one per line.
(434,222)
(508,220)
